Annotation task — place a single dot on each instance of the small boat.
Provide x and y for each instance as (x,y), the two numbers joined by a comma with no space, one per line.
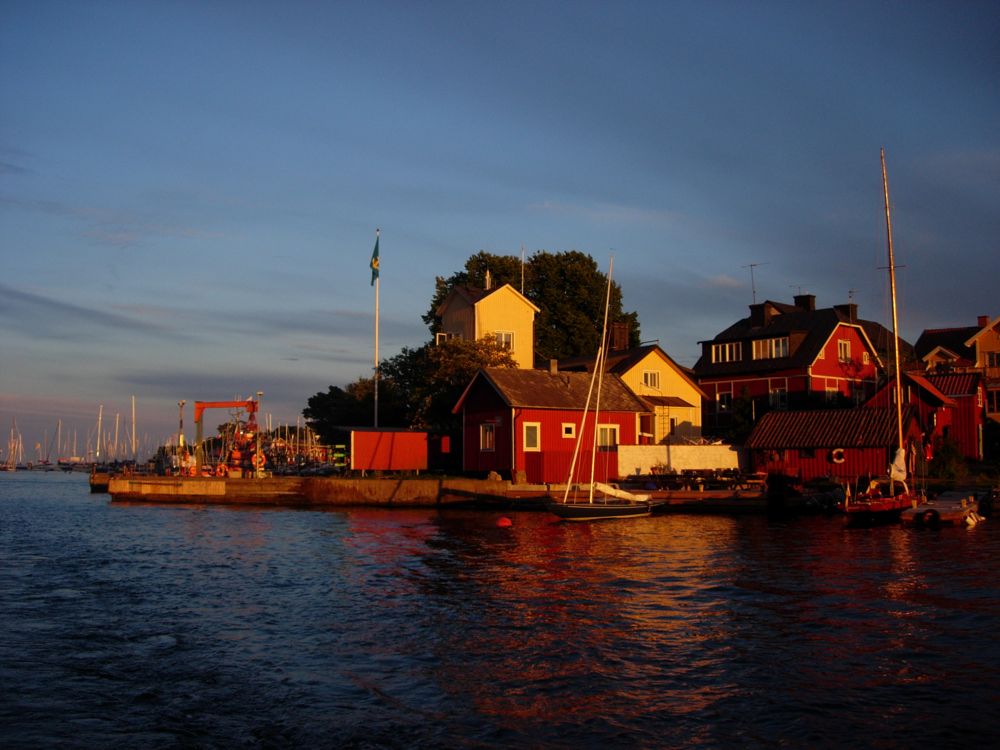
(603,501)
(884,500)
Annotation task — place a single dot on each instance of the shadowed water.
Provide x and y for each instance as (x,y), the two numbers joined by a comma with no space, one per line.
(136,626)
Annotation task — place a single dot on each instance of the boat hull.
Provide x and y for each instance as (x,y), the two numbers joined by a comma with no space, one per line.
(600,509)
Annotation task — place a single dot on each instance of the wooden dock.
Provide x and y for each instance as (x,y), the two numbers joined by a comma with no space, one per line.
(951,508)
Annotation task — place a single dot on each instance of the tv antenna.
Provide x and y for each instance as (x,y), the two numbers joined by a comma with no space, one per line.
(753,286)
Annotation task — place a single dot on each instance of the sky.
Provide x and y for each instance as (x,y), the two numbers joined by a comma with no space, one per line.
(189,191)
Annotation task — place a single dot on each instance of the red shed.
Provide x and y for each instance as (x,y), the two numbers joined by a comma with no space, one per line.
(523,424)
(844,443)
(388,450)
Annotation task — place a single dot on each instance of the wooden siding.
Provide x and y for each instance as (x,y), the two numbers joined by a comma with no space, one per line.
(672,383)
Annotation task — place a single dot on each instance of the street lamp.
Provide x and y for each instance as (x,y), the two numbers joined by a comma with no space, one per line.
(258,456)
(180,428)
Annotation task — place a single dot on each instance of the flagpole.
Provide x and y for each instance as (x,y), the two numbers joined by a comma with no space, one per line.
(375,265)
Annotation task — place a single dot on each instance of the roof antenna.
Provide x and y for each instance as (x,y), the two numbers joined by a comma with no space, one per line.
(753,286)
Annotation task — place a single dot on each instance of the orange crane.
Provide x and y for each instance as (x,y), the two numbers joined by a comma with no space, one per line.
(249,406)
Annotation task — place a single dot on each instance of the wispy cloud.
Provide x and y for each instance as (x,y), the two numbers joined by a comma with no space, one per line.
(606,213)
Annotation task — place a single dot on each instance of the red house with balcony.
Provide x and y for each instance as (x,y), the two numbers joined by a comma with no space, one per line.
(524,424)
(792,357)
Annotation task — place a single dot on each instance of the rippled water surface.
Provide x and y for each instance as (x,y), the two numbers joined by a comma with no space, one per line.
(136,626)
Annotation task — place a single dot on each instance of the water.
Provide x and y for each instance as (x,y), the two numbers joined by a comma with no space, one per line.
(133,626)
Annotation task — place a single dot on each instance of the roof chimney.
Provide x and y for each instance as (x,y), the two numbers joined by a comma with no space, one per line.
(488,284)
(983,320)
(619,337)
(806,302)
(553,367)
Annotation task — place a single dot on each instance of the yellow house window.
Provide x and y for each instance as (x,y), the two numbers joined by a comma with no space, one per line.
(505,340)
(651,379)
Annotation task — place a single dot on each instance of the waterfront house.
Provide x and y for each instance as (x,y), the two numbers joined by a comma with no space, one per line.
(965,350)
(842,443)
(524,424)
(503,313)
(673,398)
(791,357)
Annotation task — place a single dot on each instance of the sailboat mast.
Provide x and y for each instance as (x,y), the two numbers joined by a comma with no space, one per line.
(892,294)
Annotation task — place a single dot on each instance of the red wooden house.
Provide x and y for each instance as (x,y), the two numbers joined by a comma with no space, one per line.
(842,443)
(967,392)
(933,410)
(524,424)
(791,357)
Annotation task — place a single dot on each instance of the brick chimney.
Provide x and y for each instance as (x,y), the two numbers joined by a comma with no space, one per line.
(805,302)
(619,337)
(757,318)
(983,320)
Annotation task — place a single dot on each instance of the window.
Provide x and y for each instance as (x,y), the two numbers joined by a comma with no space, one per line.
(731,352)
(724,403)
(778,398)
(844,350)
(505,340)
(864,358)
(569,429)
(532,436)
(993,359)
(831,394)
(440,338)
(607,436)
(487,437)
(673,425)
(770,348)
(651,379)
(993,401)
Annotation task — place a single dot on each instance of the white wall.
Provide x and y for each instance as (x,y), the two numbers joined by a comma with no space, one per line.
(678,457)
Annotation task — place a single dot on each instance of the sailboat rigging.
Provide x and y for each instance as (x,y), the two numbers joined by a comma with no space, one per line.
(874,505)
(612,502)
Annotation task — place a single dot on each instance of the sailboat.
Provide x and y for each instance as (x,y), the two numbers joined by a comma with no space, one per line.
(603,501)
(884,501)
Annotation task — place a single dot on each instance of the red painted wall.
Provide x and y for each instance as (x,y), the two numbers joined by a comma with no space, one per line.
(388,450)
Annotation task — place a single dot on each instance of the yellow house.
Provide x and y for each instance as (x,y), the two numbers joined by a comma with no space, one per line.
(503,313)
(666,387)
(986,344)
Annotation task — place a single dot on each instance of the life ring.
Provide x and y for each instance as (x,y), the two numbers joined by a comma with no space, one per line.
(221,470)
(837,455)
(258,460)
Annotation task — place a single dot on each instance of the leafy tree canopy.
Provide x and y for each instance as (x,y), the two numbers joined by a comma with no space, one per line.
(430,379)
(332,414)
(568,288)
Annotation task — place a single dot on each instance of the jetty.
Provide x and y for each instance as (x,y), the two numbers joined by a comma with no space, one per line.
(390,492)
(950,508)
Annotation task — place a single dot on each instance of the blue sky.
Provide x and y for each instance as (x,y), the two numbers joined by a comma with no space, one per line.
(189,191)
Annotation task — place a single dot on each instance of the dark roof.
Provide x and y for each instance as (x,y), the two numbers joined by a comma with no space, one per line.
(952,339)
(812,329)
(540,389)
(826,428)
(957,384)
(665,401)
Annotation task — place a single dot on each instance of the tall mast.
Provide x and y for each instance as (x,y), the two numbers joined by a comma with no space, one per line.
(892,294)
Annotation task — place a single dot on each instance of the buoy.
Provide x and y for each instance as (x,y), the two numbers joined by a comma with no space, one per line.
(503,522)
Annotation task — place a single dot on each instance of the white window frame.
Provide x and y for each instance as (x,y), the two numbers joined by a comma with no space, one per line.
(651,379)
(536,427)
(724,402)
(487,437)
(568,429)
(605,431)
(731,351)
(864,358)
(843,350)
(775,348)
(505,339)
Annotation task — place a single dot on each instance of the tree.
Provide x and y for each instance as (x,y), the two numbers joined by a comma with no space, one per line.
(430,379)
(568,288)
(333,413)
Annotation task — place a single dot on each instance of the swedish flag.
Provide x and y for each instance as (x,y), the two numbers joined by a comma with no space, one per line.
(374,262)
